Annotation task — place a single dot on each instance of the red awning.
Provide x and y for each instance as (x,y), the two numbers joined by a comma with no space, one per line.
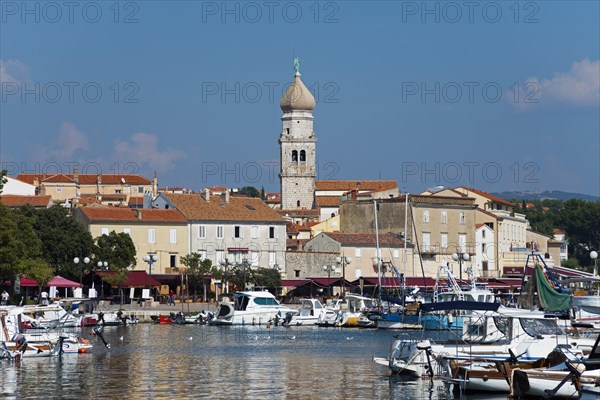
(57,281)
(294,282)
(135,279)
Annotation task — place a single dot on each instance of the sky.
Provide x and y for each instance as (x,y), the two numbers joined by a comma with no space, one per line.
(493,95)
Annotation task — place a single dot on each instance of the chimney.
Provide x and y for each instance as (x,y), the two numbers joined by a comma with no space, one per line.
(155,185)
(207,195)
(76,176)
(138,213)
(225,196)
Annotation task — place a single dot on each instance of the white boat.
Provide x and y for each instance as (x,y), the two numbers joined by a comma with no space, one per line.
(408,358)
(311,312)
(250,308)
(356,306)
(590,304)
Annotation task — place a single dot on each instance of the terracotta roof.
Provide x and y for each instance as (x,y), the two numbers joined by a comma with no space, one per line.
(136,200)
(88,199)
(361,185)
(488,213)
(273,197)
(488,196)
(301,213)
(13,200)
(292,228)
(217,188)
(477,226)
(125,214)
(327,201)
(114,196)
(194,207)
(367,239)
(87,179)
(450,200)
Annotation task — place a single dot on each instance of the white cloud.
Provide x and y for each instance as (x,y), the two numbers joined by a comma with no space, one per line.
(69,140)
(579,86)
(13,71)
(143,149)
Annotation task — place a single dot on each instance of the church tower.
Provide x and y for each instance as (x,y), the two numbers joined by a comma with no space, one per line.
(297,145)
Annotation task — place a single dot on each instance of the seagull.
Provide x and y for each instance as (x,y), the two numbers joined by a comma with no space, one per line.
(190,338)
(293,337)
(121,338)
(349,338)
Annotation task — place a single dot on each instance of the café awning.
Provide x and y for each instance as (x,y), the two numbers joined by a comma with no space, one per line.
(57,281)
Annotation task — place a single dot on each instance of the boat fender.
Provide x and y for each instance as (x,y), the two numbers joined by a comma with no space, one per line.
(450,319)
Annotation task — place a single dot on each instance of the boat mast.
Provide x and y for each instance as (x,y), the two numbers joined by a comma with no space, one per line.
(404,238)
(377,251)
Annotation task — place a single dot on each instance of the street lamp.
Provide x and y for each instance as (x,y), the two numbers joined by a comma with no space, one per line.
(343,261)
(86,260)
(102,265)
(329,269)
(460,257)
(245,266)
(594,257)
(225,263)
(150,259)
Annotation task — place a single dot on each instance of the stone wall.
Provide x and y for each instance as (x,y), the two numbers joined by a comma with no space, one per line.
(310,264)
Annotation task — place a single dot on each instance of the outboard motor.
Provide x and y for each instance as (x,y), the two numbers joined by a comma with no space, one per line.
(98,331)
(288,318)
(101,318)
(61,341)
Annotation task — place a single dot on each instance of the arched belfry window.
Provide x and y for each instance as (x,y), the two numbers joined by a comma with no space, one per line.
(298,203)
(294,155)
(302,155)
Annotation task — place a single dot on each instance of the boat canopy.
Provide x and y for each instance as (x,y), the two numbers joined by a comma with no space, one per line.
(460,305)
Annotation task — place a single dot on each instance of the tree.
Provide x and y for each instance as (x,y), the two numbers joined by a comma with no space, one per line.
(63,239)
(249,191)
(267,277)
(38,269)
(3,179)
(119,251)
(197,269)
(18,242)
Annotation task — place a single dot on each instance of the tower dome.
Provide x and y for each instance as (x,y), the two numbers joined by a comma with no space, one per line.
(297,97)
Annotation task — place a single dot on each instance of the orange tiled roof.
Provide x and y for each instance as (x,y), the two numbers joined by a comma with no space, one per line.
(154,215)
(87,179)
(489,196)
(136,200)
(361,185)
(114,196)
(327,201)
(194,207)
(116,214)
(300,213)
(13,200)
(367,239)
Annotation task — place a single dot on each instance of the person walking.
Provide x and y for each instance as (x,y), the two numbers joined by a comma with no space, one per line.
(172,298)
(5,298)
(44,296)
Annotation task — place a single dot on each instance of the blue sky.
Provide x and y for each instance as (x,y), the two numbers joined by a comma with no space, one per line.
(496,95)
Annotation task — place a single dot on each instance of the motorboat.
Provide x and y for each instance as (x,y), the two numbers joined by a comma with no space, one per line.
(411,358)
(312,312)
(356,306)
(250,308)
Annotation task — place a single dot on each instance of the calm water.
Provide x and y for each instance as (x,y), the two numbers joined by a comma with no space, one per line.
(171,361)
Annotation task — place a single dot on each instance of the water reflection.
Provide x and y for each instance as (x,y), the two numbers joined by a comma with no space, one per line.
(162,361)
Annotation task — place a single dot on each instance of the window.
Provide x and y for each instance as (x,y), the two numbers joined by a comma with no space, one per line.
(462,242)
(105,231)
(58,190)
(237,231)
(396,253)
(483,248)
(302,155)
(202,232)
(272,259)
(294,155)
(298,203)
(173,260)
(173,236)
(484,266)
(426,241)
(220,256)
(444,240)
(254,258)
(254,230)
(426,216)
(140,189)
(127,231)
(202,254)
(483,233)
(220,232)
(297,273)
(444,217)
(357,252)
(151,235)
(272,232)
(461,218)
(357,273)
(118,191)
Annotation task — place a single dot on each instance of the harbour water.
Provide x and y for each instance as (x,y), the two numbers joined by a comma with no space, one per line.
(193,361)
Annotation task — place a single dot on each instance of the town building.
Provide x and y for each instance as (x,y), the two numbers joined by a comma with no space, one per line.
(154,232)
(17,201)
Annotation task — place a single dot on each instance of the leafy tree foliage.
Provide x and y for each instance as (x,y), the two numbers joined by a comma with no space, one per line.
(38,269)
(3,179)
(119,251)
(63,239)
(18,242)
(197,269)
(266,277)
(249,191)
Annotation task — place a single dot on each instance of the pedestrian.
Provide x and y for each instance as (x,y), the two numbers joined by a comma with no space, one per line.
(45,298)
(172,298)
(5,297)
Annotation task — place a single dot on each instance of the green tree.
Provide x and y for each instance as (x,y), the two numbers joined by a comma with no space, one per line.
(38,269)
(266,277)
(3,179)
(18,242)
(249,191)
(119,251)
(197,269)
(63,239)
